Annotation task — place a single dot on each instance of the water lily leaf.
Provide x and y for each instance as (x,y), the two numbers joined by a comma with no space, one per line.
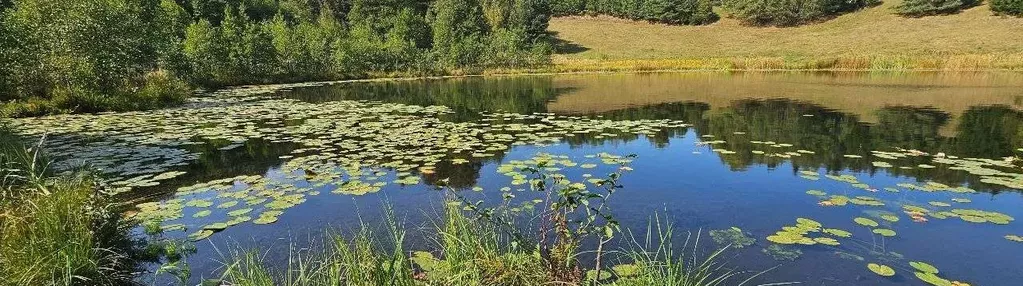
(732,236)
(780,252)
(215,226)
(826,241)
(816,193)
(202,214)
(923,267)
(865,222)
(265,219)
(808,223)
(425,260)
(837,232)
(200,235)
(626,270)
(591,275)
(1015,238)
(884,232)
(227,204)
(880,269)
(933,279)
(890,217)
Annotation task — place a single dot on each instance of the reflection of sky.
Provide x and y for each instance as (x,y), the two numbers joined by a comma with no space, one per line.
(697,192)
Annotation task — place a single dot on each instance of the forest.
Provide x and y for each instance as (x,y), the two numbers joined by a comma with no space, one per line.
(99,55)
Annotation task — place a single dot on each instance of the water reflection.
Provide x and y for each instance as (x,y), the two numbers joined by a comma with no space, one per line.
(832,114)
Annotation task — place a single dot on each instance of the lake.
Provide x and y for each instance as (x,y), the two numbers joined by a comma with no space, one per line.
(886,168)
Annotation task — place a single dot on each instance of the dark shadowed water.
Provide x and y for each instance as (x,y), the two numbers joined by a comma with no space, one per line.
(756,180)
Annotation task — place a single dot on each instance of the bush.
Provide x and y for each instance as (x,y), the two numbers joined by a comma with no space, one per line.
(673,12)
(791,12)
(1007,7)
(920,8)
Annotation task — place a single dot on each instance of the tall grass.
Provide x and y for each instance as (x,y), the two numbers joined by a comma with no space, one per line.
(58,229)
(471,252)
(659,261)
(983,62)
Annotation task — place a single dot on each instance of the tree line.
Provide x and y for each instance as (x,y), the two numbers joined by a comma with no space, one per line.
(763,12)
(96,55)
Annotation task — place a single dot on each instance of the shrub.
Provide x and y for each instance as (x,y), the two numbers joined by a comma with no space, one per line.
(1007,7)
(790,12)
(673,12)
(920,8)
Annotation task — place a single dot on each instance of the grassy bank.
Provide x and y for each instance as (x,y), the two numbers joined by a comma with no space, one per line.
(472,252)
(58,229)
(871,39)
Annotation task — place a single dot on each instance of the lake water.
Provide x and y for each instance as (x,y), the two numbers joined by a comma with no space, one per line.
(920,154)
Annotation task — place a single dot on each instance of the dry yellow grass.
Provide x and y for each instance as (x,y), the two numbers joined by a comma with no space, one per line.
(873,38)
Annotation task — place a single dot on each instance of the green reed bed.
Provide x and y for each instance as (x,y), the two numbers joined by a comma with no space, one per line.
(58,229)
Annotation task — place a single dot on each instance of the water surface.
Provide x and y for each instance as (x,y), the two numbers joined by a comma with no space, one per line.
(743,158)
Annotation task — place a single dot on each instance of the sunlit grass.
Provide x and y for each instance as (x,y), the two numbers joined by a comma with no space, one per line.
(56,229)
(873,38)
(471,252)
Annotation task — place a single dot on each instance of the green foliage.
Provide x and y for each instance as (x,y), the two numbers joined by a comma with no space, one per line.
(82,56)
(791,12)
(58,230)
(674,12)
(1007,7)
(99,55)
(920,8)
(458,32)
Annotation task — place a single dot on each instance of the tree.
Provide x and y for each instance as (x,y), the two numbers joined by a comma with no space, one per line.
(534,17)
(459,31)
(205,52)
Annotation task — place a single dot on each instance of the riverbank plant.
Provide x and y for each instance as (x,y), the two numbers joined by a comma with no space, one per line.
(468,251)
(58,229)
(525,241)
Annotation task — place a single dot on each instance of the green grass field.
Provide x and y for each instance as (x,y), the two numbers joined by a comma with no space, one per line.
(872,38)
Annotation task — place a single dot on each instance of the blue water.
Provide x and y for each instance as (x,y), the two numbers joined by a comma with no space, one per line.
(697,189)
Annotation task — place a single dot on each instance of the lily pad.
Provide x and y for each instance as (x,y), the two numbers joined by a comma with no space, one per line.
(865,222)
(880,269)
(884,232)
(923,267)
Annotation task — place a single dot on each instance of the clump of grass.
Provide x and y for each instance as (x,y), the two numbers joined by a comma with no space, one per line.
(473,252)
(657,260)
(58,229)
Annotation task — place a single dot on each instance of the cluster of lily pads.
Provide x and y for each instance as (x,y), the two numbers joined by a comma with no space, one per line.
(880,221)
(346,147)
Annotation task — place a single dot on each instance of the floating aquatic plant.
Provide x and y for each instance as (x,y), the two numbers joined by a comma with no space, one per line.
(733,236)
(881,269)
(781,252)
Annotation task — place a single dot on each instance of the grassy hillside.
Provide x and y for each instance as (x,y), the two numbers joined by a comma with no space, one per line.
(873,38)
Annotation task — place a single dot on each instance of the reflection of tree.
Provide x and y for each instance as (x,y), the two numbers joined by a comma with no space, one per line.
(254,157)
(983,132)
(688,112)
(807,126)
(909,127)
(989,132)
(466,96)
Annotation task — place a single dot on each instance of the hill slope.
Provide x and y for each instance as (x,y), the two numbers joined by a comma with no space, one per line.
(974,38)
